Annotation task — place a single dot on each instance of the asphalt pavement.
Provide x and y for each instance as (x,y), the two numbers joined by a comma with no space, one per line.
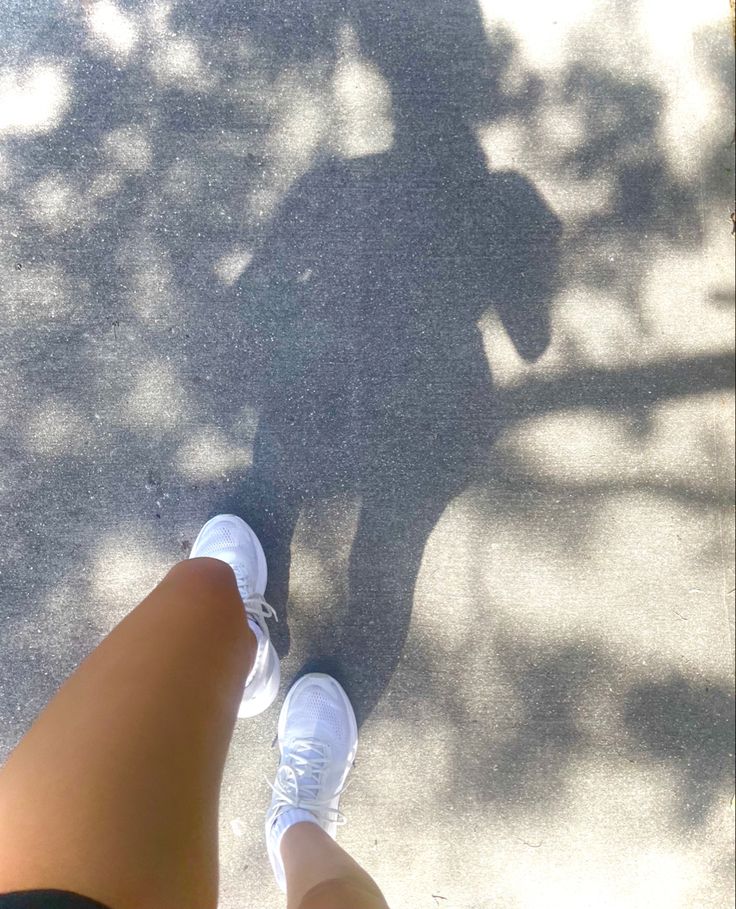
(439,297)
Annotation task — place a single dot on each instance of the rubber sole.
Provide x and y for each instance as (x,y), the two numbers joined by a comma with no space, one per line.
(267,695)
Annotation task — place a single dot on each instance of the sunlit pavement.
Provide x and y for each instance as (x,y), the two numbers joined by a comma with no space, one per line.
(439,296)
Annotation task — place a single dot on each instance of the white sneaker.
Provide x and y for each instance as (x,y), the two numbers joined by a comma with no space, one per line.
(229,539)
(318,738)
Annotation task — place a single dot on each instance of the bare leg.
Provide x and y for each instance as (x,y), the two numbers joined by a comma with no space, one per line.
(113,793)
(312,858)
(318,740)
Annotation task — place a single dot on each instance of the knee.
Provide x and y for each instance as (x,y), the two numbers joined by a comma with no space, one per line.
(204,594)
(205,580)
(203,571)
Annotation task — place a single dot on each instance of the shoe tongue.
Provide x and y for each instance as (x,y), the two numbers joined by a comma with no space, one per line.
(308,754)
(241,575)
(307,751)
(287,781)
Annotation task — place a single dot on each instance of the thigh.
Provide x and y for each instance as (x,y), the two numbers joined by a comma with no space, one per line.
(113,793)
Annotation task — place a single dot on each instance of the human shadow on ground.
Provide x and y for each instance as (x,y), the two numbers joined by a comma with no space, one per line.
(374,380)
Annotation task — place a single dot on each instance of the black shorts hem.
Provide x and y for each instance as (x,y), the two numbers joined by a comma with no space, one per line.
(47,899)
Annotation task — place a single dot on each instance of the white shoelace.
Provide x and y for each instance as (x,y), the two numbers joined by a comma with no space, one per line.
(255,603)
(298,783)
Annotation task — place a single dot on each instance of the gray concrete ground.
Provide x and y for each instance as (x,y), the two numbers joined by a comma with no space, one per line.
(439,296)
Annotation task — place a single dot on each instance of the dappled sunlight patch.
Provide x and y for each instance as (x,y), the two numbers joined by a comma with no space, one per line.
(57,429)
(64,624)
(437,755)
(210,453)
(178,62)
(153,294)
(669,27)
(299,120)
(6,169)
(263,202)
(129,148)
(510,144)
(231,265)
(38,293)
(156,15)
(125,566)
(506,364)
(505,145)
(33,100)
(673,451)
(244,424)
(574,198)
(676,307)
(104,185)
(50,200)
(545,31)
(618,809)
(157,403)
(690,116)
(309,580)
(564,126)
(624,569)
(583,445)
(321,547)
(591,329)
(58,204)
(686,47)
(111,30)
(667,878)
(446,592)
(151,290)
(362,100)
